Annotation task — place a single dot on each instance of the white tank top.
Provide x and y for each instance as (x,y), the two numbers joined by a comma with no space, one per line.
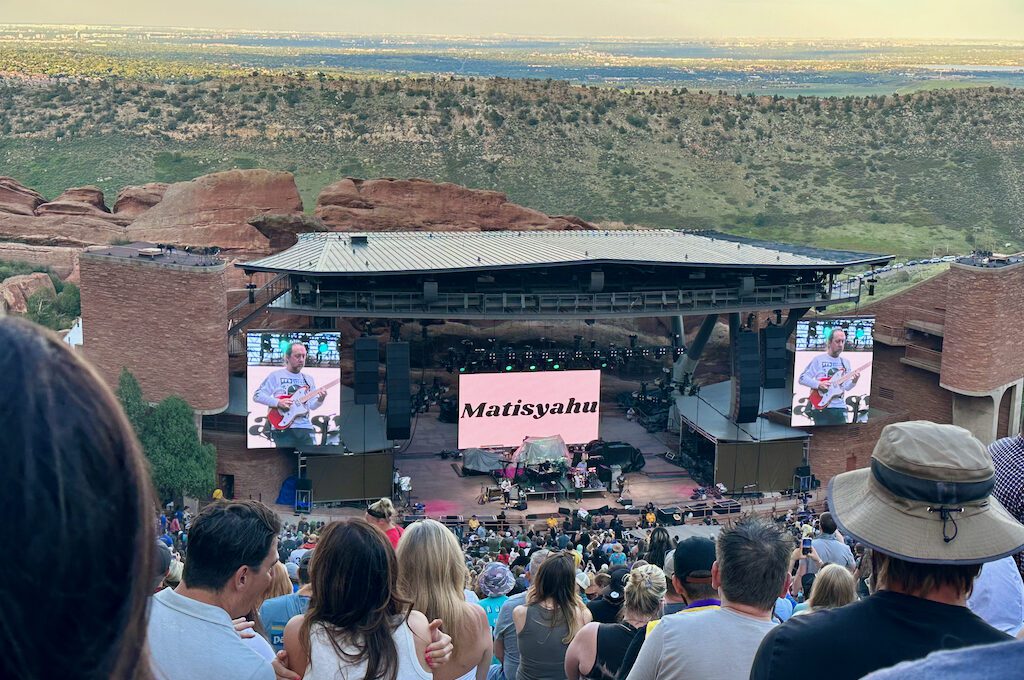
(325,664)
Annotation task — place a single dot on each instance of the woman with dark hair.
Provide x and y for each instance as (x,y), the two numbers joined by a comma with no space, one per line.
(357,625)
(78,503)
(659,545)
(549,620)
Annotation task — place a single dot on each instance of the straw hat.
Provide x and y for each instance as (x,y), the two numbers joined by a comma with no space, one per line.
(926,498)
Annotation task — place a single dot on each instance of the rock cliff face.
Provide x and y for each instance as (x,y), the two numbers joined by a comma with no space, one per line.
(417,204)
(17,199)
(216,209)
(16,290)
(87,201)
(132,201)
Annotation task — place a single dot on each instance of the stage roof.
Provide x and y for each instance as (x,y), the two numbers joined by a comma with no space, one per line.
(709,413)
(411,252)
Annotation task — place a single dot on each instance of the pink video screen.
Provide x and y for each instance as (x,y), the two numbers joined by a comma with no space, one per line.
(832,371)
(502,409)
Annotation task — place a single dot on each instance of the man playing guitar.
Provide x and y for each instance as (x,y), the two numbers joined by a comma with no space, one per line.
(278,390)
(818,376)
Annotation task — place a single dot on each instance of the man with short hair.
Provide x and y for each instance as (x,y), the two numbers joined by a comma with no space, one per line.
(279,388)
(828,549)
(750,572)
(231,555)
(819,374)
(925,509)
(506,642)
(277,611)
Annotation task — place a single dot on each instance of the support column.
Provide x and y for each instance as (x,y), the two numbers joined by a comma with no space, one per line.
(684,367)
(1016,394)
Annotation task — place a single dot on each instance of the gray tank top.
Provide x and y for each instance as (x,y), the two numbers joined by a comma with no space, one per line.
(541,650)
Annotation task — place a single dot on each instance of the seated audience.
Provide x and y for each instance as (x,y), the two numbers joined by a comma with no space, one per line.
(833,587)
(550,618)
(925,507)
(432,574)
(231,554)
(78,506)
(598,649)
(605,609)
(751,571)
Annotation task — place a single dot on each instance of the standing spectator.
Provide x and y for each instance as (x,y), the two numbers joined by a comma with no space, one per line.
(659,546)
(688,567)
(506,643)
(829,549)
(549,620)
(1008,459)
(276,612)
(78,510)
(833,587)
(232,550)
(606,608)
(598,649)
(382,515)
(618,557)
(432,573)
(751,571)
(357,625)
(925,506)
(998,596)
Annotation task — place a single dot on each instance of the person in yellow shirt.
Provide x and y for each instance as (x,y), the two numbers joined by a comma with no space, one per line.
(552,522)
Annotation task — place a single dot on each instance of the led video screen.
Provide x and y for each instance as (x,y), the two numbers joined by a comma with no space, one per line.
(293,386)
(832,371)
(501,409)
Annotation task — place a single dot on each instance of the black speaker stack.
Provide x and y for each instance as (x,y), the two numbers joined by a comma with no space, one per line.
(367,364)
(775,364)
(746,376)
(398,391)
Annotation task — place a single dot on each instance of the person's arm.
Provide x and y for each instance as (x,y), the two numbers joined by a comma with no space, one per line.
(582,652)
(848,384)
(298,658)
(317,401)
(499,648)
(265,392)
(421,635)
(485,632)
(519,618)
(648,660)
(809,378)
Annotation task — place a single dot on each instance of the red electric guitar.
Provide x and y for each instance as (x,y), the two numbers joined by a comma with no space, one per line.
(283,419)
(834,383)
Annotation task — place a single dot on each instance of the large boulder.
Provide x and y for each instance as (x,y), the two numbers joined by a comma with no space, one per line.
(17,199)
(75,230)
(16,290)
(282,230)
(418,204)
(215,210)
(62,260)
(132,201)
(85,201)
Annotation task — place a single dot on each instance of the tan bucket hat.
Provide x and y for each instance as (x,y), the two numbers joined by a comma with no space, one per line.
(926,498)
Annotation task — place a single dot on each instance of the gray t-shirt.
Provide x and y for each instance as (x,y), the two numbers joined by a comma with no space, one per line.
(824,366)
(711,644)
(831,551)
(283,382)
(189,640)
(505,628)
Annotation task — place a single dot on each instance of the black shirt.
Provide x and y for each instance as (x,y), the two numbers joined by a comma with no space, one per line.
(613,639)
(604,611)
(870,634)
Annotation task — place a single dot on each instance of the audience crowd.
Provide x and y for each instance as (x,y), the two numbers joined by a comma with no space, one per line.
(909,573)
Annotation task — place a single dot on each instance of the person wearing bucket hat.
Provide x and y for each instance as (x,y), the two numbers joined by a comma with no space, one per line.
(496,581)
(924,507)
(506,642)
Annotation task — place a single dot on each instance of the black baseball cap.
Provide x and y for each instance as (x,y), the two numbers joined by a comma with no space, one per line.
(616,589)
(693,559)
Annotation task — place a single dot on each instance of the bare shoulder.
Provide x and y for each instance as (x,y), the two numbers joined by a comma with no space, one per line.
(418,624)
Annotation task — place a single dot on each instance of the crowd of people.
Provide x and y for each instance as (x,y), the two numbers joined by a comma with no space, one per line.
(908,574)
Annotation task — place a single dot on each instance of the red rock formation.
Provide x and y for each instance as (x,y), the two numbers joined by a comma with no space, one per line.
(86,201)
(417,204)
(62,260)
(215,210)
(132,201)
(16,290)
(17,199)
(74,230)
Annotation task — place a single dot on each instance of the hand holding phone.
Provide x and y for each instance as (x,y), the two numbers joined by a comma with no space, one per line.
(805,546)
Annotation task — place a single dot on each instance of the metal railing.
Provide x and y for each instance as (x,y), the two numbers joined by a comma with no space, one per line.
(649,303)
(247,309)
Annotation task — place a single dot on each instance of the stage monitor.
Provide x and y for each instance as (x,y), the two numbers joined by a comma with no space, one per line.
(303,368)
(502,409)
(832,371)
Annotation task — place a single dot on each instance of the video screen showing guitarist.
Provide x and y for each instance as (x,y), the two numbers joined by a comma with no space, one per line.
(824,375)
(291,394)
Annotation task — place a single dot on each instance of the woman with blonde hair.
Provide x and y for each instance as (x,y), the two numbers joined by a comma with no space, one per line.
(432,574)
(382,515)
(550,619)
(834,586)
(598,649)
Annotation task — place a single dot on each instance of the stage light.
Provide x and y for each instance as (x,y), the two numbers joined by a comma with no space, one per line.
(533,367)
(859,333)
(604,364)
(556,366)
(323,347)
(282,345)
(508,367)
(462,369)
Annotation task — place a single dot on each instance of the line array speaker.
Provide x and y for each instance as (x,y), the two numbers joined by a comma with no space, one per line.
(367,366)
(397,388)
(746,378)
(775,364)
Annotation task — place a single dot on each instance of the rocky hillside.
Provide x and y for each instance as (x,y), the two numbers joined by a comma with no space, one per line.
(902,174)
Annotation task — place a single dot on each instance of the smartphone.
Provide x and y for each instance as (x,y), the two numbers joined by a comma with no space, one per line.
(805,546)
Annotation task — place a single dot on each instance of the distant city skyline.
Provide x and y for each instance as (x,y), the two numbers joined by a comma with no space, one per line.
(671,19)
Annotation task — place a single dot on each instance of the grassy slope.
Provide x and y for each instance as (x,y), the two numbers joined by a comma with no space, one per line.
(901,176)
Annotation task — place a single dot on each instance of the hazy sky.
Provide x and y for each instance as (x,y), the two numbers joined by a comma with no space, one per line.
(996,19)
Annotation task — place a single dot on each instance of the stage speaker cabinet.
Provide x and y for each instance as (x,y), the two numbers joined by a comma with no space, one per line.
(668,516)
(775,363)
(397,388)
(367,366)
(746,400)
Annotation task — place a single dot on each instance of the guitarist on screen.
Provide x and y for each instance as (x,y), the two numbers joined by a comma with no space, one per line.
(277,390)
(817,376)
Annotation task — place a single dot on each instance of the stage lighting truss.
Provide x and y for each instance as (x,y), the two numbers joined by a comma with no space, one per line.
(470,359)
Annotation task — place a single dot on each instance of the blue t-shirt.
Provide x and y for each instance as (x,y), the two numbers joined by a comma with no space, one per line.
(277,611)
(492,606)
(617,559)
